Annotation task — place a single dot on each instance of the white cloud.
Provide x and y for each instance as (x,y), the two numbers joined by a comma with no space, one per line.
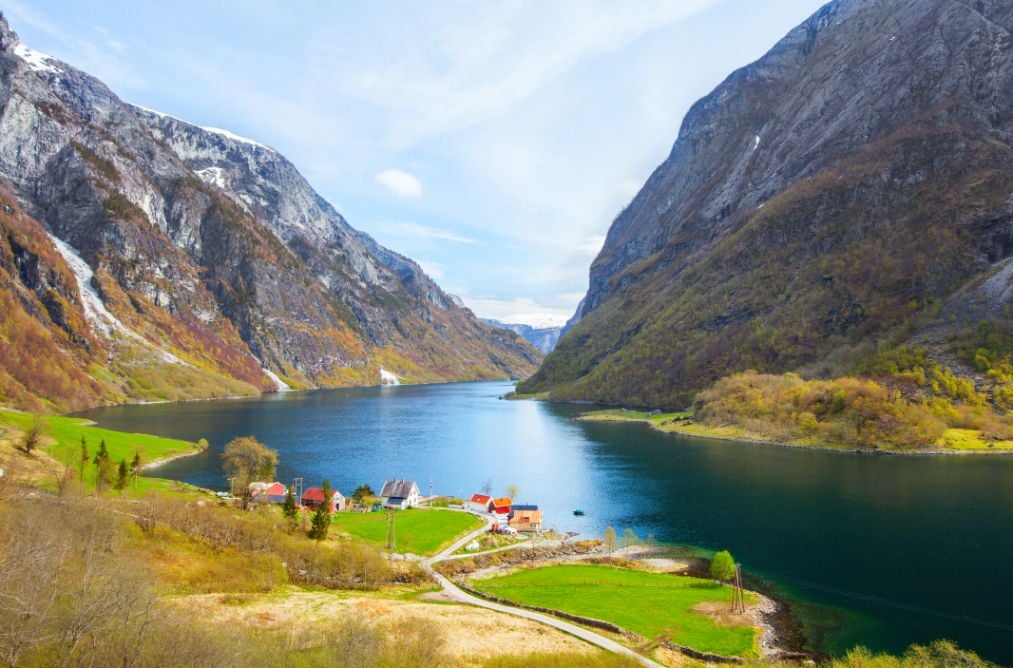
(630,187)
(523,310)
(436,233)
(449,76)
(432,269)
(399,182)
(592,245)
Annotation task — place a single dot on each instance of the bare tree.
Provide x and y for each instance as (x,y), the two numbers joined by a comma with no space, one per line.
(32,437)
(610,540)
(248,460)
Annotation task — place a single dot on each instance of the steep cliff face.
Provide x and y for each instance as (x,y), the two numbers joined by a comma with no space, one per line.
(844,185)
(211,265)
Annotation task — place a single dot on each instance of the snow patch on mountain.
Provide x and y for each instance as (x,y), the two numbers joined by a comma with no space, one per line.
(95,309)
(36,60)
(213,176)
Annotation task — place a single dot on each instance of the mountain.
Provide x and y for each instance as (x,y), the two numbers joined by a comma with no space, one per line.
(849,189)
(144,258)
(543,338)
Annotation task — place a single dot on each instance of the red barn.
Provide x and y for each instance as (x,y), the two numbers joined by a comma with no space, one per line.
(314,498)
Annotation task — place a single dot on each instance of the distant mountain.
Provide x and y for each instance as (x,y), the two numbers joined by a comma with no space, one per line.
(850,189)
(144,257)
(543,338)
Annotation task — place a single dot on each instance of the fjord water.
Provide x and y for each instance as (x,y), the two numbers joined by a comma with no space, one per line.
(882,551)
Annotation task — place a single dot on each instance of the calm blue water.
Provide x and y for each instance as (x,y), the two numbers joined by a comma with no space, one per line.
(883,551)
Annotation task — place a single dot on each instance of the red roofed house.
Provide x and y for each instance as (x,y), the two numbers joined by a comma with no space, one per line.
(314,498)
(267,492)
(480,503)
(501,506)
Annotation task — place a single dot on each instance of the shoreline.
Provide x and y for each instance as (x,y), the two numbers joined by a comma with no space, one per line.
(161,462)
(936,452)
(239,397)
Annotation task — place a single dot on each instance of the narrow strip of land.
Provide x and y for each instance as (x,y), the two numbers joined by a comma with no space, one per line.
(459,595)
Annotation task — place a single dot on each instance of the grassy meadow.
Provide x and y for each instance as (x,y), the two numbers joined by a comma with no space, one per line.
(62,442)
(650,604)
(418,531)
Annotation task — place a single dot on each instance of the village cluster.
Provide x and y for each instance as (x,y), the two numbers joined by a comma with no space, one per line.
(509,518)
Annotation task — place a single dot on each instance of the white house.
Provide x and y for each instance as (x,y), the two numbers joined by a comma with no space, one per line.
(478,503)
(399,494)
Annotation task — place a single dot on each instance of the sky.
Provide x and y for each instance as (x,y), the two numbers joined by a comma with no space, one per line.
(492,142)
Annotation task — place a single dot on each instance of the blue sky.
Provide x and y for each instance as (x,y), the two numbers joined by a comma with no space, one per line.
(493,142)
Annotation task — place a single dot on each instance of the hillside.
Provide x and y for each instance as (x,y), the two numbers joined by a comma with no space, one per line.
(543,338)
(146,258)
(848,193)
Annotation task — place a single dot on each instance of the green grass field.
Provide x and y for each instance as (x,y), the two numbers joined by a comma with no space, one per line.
(650,604)
(417,531)
(65,435)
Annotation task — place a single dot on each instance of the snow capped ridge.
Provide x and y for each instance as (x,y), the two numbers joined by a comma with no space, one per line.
(207,128)
(234,137)
(38,61)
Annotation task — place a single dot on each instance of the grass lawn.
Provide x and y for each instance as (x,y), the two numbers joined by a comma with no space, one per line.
(970,439)
(418,531)
(65,435)
(650,604)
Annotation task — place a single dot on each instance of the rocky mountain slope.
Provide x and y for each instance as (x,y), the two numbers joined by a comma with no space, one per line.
(143,257)
(543,338)
(851,186)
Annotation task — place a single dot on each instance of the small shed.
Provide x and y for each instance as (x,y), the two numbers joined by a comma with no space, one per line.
(502,506)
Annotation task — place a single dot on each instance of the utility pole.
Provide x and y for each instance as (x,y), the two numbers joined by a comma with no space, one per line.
(391,539)
(738,601)
(232,486)
(297,483)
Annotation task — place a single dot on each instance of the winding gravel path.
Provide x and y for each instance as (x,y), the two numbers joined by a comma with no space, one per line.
(461,596)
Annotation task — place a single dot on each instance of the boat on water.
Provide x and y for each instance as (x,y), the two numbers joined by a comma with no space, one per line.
(578,512)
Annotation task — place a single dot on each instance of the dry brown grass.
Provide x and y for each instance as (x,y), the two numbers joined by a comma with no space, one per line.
(474,635)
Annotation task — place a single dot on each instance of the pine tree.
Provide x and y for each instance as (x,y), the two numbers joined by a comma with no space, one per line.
(135,468)
(84,459)
(103,465)
(322,517)
(289,507)
(121,475)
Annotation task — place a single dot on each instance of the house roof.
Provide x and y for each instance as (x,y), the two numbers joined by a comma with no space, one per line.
(480,498)
(276,489)
(504,502)
(527,517)
(525,507)
(317,494)
(401,488)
